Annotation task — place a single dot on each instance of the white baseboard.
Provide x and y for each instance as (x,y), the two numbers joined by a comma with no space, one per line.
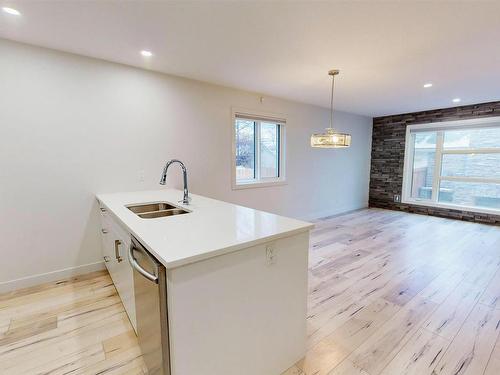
(319,215)
(25,282)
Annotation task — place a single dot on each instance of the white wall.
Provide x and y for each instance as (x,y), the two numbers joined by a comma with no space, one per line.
(72,126)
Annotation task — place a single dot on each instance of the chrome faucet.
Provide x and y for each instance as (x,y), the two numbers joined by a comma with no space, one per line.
(163,179)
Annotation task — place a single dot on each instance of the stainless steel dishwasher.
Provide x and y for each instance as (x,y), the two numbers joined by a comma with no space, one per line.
(151,307)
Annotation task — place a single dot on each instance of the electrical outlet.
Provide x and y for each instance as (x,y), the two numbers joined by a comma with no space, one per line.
(397,198)
(141,175)
(270,255)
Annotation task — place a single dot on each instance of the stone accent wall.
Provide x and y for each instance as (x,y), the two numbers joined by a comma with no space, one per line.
(388,148)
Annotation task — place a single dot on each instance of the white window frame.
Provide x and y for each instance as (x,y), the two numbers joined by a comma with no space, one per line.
(440,128)
(259,181)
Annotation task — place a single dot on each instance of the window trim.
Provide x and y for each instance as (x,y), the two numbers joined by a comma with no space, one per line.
(409,155)
(259,182)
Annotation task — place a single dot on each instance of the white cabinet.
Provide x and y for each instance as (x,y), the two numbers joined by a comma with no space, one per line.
(123,277)
(240,313)
(115,245)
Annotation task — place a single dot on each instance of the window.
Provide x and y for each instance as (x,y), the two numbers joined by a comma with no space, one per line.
(258,151)
(454,165)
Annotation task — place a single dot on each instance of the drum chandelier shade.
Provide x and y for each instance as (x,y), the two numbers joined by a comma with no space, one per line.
(331,138)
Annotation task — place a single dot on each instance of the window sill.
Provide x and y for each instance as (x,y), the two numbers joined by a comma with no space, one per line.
(258,184)
(477,210)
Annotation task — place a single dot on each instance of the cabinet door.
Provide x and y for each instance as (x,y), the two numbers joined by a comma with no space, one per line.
(123,276)
(115,245)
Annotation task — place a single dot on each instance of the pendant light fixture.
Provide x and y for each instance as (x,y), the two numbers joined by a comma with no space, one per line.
(331,138)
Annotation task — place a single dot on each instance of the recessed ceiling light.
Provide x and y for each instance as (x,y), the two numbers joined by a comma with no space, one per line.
(427,85)
(12,11)
(146,53)
(456,100)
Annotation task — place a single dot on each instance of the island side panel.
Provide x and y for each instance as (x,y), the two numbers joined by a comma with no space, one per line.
(239,314)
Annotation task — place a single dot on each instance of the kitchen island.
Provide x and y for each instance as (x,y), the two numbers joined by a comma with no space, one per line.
(235,280)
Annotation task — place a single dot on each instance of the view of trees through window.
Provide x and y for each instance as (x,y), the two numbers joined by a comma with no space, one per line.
(468,167)
(257,146)
(245,149)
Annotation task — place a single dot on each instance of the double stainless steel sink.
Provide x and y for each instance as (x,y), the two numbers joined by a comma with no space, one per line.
(155,210)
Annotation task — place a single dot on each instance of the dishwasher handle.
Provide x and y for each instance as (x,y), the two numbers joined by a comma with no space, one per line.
(137,267)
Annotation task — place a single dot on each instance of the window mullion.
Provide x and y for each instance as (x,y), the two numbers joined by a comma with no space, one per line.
(257,150)
(465,151)
(278,151)
(412,161)
(436,179)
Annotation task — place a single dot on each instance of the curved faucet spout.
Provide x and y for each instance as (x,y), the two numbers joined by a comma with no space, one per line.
(163,178)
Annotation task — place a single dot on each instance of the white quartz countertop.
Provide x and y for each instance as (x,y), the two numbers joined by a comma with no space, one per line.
(211,228)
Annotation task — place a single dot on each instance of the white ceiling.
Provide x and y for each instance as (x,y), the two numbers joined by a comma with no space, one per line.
(385,51)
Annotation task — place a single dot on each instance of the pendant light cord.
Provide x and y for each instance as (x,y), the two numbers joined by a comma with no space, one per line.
(331,102)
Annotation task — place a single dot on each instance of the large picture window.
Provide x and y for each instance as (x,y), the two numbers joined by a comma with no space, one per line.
(454,164)
(258,150)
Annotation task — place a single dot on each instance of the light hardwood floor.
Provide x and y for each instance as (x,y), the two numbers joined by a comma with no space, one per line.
(390,293)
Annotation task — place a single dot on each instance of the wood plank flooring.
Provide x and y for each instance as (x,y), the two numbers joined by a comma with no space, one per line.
(390,293)
(75,326)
